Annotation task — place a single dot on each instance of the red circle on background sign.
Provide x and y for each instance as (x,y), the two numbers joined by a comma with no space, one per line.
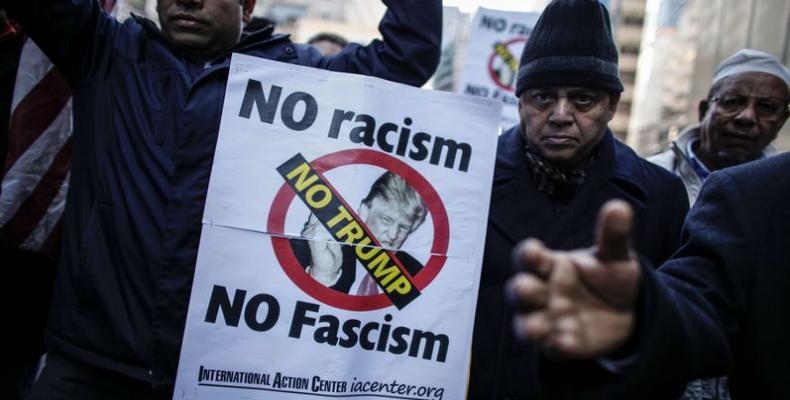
(492,73)
(295,271)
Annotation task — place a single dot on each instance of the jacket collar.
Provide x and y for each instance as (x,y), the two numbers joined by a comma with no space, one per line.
(680,145)
(612,159)
(617,172)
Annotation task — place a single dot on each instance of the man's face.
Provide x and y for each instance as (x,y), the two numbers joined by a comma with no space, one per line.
(204,27)
(388,221)
(564,124)
(741,118)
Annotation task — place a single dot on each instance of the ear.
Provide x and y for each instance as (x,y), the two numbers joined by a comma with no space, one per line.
(614,101)
(248,6)
(522,102)
(782,120)
(364,211)
(702,109)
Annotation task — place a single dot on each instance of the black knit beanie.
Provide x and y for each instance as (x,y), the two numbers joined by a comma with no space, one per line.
(571,45)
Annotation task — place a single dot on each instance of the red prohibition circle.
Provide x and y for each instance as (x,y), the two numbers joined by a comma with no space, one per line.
(288,261)
(494,56)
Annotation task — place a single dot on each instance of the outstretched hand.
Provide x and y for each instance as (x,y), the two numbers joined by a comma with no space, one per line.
(579,304)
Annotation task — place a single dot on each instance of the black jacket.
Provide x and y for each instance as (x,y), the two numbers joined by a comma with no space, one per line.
(720,305)
(503,368)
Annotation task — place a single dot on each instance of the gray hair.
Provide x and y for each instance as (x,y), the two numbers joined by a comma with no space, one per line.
(391,187)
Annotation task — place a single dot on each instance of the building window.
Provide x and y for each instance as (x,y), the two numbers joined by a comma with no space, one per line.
(629,49)
(633,20)
(628,76)
(624,107)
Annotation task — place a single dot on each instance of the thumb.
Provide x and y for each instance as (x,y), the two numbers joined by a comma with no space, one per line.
(614,231)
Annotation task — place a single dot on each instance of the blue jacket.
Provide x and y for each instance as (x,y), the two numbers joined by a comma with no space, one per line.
(502,367)
(146,122)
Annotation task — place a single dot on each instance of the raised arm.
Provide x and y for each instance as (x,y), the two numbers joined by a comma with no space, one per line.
(75,34)
(409,52)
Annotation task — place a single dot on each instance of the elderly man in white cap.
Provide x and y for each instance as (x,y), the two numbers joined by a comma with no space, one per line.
(744,111)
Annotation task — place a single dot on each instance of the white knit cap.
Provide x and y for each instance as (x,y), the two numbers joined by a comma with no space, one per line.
(750,60)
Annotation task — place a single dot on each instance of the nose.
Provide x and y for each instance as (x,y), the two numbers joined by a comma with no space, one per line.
(391,232)
(562,112)
(747,116)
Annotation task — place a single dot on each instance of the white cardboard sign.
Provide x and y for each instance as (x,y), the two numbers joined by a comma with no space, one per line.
(342,239)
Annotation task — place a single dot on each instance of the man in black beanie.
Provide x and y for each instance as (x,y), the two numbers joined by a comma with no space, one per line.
(554,172)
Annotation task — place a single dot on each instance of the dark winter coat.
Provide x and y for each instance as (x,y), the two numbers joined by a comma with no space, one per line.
(146,122)
(503,368)
(720,305)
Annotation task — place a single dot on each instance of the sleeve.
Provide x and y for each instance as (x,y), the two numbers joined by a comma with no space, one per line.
(688,312)
(75,34)
(690,309)
(408,52)
(679,206)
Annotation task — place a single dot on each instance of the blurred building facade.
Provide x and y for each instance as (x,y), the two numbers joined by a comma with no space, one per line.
(455,35)
(683,42)
(628,18)
(355,20)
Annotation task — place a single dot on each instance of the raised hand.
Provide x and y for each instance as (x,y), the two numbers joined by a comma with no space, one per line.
(325,253)
(579,304)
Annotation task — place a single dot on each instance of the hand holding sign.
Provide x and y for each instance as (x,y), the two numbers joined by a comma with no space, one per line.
(325,253)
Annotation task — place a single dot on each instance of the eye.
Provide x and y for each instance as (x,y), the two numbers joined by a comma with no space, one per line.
(583,99)
(731,102)
(768,108)
(542,97)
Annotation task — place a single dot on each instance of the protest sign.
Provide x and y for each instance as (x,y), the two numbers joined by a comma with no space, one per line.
(342,239)
(496,39)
